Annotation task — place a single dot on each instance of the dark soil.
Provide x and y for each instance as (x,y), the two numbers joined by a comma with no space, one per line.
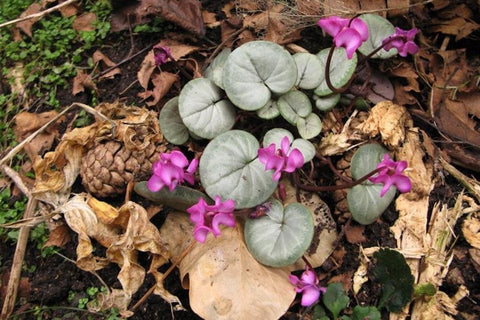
(55,278)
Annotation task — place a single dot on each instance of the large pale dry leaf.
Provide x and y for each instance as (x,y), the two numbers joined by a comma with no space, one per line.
(162,82)
(115,298)
(225,281)
(140,235)
(58,236)
(81,219)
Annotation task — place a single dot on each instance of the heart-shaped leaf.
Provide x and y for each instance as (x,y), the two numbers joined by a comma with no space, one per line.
(269,111)
(214,71)
(365,203)
(255,70)
(229,167)
(203,109)
(308,69)
(294,105)
(341,70)
(365,159)
(379,28)
(327,103)
(310,126)
(171,124)
(281,237)
(277,134)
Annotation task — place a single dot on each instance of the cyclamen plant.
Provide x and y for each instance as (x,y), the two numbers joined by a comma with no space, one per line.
(242,174)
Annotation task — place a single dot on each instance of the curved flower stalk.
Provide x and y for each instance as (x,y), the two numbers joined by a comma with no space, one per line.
(280,159)
(207,218)
(390,174)
(170,171)
(347,33)
(402,40)
(307,284)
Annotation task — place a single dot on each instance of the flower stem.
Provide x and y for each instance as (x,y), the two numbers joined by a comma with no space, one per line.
(381,47)
(337,187)
(327,74)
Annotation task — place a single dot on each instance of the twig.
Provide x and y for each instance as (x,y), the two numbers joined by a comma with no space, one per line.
(38,14)
(12,174)
(15,271)
(169,270)
(472,185)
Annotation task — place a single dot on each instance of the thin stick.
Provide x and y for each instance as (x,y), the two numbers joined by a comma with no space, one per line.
(15,271)
(169,270)
(12,174)
(38,14)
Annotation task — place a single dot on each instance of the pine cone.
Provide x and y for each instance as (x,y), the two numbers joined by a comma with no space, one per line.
(128,155)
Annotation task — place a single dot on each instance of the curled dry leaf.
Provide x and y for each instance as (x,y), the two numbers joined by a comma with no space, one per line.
(26,25)
(85,22)
(225,281)
(99,57)
(389,121)
(471,230)
(81,81)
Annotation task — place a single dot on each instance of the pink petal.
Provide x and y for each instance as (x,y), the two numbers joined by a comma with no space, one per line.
(333,25)
(386,186)
(295,160)
(350,40)
(193,166)
(402,183)
(310,296)
(155,184)
(285,145)
(361,27)
(200,233)
(222,218)
(264,154)
(294,279)
(197,211)
(178,159)
(309,277)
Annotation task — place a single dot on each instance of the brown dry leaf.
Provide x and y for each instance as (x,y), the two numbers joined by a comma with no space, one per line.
(81,81)
(162,82)
(58,170)
(146,70)
(354,234)
(186,14)
(26,123)
(114,298)
(387,120)
(68,11)
(98,57)
(105,213)
(85,22)
(225,281)
(460,27)
(58,237)
(210,19)
(471,230)
(26,25)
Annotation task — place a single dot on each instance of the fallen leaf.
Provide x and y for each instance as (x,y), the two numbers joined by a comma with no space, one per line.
(354,234)
(225,281)
(162,82)
(85,22)
(26,25)
(58,237)
(459,27)
(99,57)
(186,14)
(81,81)
(27,123)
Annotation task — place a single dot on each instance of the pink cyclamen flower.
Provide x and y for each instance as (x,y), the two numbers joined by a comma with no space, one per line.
(208,218)
(347,33)
(391,175)
(402,40)
(308,286)
(170,171)
(280,159)
(161,55)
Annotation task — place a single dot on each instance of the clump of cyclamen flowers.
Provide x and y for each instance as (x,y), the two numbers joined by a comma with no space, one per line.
(281,159)
(390,174)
